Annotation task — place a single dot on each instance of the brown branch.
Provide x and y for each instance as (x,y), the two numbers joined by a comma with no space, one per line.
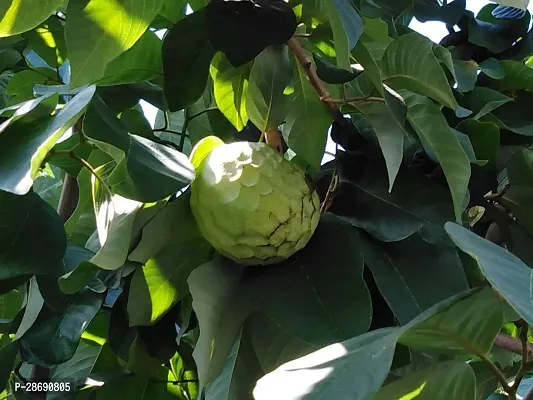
(511,344)
(300,54)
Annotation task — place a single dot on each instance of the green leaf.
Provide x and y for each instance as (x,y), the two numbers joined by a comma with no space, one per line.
(32,237)
(483,101)
(26,157)
(54,337)
(506,273)
(484,136)
(437,382)
(390,134)
(19,16)
(220,309)
(332,74)
(230,86)
(347,27)
(146,171)
(518,199)
(310,285)
(142,62)
(34,305)
(466,73)
(202,150)
(486,382)
(425,76)
(241,371)
(520,167)
(158,234)
(306,126)
(394,216)
(360,364)
(10,305)
(414,275)
(98,31)
(517,76)
(272,344)
(432,128)
(265,102)
(114,220)
(78,278)
(187,55)
(468,327)
(48,41)
(8,354)
(162,281)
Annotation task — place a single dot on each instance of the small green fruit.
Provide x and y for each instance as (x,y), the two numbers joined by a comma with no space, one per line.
(251,204)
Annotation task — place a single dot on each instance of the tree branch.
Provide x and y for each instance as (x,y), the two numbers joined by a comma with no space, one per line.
(68,199)
(511,344)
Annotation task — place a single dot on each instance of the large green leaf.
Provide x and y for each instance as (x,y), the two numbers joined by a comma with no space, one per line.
(409,63)
(506,272)
(22,164)
(347,27)
(187,55)
(48,41)
(97,31)
(241,371)
(146,171)
(32,237)
(265,101)
(230,86)
(354,369)
(162,281)
(437,382)
(432,128)
(367,203)
(468,327)
(413,275)
(306,126)
(221,309)
(18,16)
(484,136)
(484,100)
(141,62)
(317,291)
(54,337)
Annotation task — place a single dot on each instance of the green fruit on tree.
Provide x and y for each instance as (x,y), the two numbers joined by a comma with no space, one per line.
(250,203)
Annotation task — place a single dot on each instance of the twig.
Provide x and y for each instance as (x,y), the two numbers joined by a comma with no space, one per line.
(525,356)
(302,35)
(196,115)
(166,121)
(352,99)
(184,129)
(92,171)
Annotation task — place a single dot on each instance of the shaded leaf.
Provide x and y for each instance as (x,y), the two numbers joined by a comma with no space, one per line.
(310,285)
(367,203)
(414,275)
(8,354)
(432,128)
(484,136)
(53,338)
(243,29)
(518,199)
(483,100)
(34,305)
(32,237)
(187,55)
(98,27)
(332,74)
(10,305)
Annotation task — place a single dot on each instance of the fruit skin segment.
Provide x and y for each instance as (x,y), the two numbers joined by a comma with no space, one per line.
(253,205)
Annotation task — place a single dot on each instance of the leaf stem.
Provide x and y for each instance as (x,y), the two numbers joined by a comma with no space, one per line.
(184,129)
(93,172)
(167,123)
(198,114)
(525,355)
